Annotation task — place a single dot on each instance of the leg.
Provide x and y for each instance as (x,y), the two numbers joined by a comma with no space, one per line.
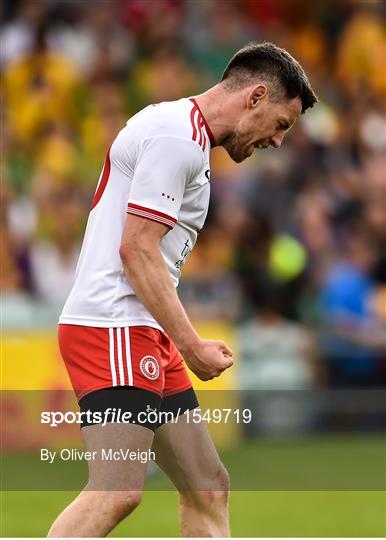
(186,453)
(100,358)
(115,487)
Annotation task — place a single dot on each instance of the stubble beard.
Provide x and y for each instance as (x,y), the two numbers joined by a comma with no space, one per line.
(234,147)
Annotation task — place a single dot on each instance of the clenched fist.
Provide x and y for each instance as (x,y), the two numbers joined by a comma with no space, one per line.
(208,359)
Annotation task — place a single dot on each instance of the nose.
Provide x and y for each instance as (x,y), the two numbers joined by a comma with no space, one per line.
(277,139)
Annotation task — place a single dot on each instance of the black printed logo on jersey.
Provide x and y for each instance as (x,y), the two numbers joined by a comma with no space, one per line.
(207,174)
(184,253)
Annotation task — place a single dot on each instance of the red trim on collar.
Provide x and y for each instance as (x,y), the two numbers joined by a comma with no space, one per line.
(208,130)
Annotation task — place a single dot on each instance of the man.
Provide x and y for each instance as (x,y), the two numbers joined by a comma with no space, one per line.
(123,331)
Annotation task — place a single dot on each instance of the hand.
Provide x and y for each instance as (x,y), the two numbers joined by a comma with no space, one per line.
(208,359)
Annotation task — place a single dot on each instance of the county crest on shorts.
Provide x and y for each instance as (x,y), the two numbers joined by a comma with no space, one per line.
(149,367)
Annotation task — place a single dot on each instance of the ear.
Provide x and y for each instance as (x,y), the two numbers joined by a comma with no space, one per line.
(256,94)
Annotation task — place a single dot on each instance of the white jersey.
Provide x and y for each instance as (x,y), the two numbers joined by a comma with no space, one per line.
(157,168)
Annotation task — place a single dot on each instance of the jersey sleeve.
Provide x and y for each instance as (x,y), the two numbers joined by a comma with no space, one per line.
(164,167)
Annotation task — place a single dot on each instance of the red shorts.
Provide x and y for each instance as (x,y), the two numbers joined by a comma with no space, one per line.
(138,356)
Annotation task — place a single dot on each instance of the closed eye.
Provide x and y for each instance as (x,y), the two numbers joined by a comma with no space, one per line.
(283,127)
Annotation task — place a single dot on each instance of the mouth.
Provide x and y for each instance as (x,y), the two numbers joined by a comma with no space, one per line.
(261,146)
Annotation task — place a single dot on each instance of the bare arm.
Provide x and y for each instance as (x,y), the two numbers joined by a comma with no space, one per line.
(149,276)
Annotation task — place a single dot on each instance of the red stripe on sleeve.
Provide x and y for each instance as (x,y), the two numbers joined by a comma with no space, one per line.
(151,214)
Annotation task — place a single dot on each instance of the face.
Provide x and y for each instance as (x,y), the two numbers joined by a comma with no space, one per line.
(263,123)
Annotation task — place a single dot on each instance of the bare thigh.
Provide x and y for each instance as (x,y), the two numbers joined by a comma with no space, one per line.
(186,453)
(109,442)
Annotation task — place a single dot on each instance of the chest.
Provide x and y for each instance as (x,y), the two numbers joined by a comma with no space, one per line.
(195,204)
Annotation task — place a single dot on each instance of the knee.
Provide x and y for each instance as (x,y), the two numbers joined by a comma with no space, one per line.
(212,495)
(221,484)
(223,480)
(122,503)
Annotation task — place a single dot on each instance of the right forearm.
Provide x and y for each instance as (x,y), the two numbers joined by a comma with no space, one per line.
(147,273)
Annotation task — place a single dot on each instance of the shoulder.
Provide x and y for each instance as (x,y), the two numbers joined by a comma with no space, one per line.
(166,130)
(170,118)
(179,118)
(173,154)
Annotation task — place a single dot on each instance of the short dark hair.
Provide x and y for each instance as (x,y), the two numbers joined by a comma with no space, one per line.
(272,64)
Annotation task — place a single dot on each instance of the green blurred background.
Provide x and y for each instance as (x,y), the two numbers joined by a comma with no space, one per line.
(308,509)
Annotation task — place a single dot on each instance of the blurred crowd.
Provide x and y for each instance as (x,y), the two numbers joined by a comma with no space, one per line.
(294,250)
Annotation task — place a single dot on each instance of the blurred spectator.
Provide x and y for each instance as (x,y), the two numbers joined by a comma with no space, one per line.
(163,76)
(276,353)
(104,117)
(40,88)
(208,290)
(92,36)
(18,35)
(278,367)
(212,45)
(354,334)
(10,276)
(362,50)
(55,254)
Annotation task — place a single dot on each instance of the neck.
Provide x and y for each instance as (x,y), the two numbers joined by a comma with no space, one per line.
(220,110)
